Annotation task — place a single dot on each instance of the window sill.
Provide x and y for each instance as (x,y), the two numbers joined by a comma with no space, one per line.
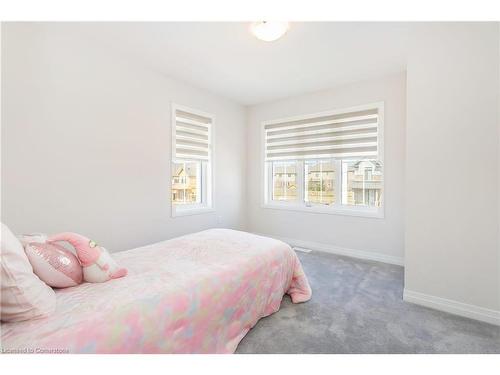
(377,213)
(187,211)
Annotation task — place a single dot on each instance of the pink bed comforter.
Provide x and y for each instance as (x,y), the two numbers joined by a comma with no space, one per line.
(199,293)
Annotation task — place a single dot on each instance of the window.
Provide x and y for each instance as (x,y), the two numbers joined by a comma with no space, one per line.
(192,149)
(331,162)
(362,183)
(186,180)
(285,181)
(319,181)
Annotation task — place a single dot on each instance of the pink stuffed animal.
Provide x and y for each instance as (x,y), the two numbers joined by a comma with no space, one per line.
(98,266)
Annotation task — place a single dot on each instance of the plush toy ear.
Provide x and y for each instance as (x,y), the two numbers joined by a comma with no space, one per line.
(86,255)
(32,237)
(76,240)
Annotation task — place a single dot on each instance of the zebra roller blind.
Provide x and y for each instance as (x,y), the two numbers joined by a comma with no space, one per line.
(350,134)
(192,134)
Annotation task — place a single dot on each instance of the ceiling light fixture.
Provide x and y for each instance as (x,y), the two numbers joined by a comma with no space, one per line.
(269,31)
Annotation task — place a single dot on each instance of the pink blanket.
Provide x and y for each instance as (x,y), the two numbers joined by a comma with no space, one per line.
(199,293)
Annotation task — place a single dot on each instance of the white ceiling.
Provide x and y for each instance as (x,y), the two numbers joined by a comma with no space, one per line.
(226,59)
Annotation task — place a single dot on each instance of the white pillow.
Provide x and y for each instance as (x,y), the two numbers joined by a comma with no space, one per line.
(23,295)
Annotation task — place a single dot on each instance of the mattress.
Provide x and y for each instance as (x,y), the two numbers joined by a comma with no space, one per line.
(199,293)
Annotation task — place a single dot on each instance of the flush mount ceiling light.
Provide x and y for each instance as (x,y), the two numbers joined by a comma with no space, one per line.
(269,31)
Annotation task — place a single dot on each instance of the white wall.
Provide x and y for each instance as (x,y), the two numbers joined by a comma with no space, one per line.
(377,236)
(86,147)
(452,215)
(86,142)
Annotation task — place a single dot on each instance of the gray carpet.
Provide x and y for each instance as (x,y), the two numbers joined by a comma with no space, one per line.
(357,307)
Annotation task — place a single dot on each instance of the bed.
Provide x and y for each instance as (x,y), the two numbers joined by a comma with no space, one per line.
(199,293)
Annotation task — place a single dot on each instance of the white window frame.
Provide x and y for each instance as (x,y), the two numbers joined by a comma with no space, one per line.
(206,182)
(337,208)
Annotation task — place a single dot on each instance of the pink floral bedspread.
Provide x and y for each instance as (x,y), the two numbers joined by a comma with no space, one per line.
(199,293)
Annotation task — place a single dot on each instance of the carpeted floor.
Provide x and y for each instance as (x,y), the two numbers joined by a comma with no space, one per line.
(357,307)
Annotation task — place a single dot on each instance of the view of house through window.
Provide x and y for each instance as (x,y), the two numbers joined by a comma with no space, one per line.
(284,181)
(319,181)
(362,183)
(186,183)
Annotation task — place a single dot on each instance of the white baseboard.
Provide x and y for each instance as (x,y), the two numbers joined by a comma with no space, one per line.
(301,249)
(453,307)
(361,254)
(433,302)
